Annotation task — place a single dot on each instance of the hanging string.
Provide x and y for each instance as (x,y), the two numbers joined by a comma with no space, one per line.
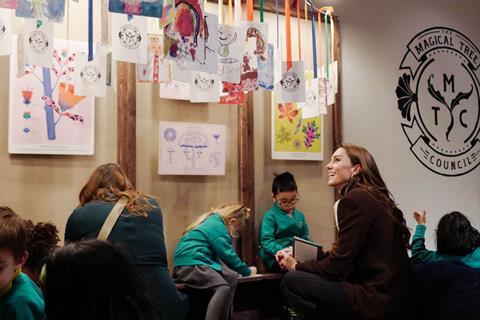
(90,30)
(319,17)
(298,31)
(261,10)
(238,11)
(288,34)
(220,11)
(68,25)
(314,45)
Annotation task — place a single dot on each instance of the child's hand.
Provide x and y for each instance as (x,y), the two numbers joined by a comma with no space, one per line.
(420,217)
(282,254)
(253,270)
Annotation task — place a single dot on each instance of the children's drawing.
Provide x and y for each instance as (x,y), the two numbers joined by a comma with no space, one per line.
(265,70)
(181,71)
(249,76)
(52,10)
(183,37)
(168,13)
(232,98)
(291,87)
(90,76)
(204,87)
(326,92)
(191,149)
(5,32)
(10,4)
(311,107)
(150,72)
(149,8)
(59,121)
(295,137)
(129,38)
(207,59)
(259,32)
(38,42)
(174,90)
(231,41)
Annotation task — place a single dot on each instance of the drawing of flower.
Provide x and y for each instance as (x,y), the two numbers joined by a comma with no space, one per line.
(27,96)
(405,96)
(170,134)
(311,133)
(287,111)
(66,98)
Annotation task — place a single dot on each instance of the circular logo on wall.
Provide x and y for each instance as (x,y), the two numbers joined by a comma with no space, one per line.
(38,41)
(290,81)
(438,98)
(130,36)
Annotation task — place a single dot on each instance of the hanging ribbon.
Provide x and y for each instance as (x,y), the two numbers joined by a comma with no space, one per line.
(314,45)
(332,35)
(230,12)
(278,33)
(327,46)
(220,11)
(261,10)
(249,10)
(319,18)
(90,30)
(238,12)
(298,31)
(288,34)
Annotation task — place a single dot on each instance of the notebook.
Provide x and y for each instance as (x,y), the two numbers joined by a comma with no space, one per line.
(304,250)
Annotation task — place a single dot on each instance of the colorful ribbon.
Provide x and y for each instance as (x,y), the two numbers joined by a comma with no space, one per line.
(288,34)
(249,10)
(314,45)
(90,30)
(261,10)
(327,46)
(298,31)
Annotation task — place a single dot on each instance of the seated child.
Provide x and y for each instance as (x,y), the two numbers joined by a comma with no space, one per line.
(457,240)
(20,298)
(93,279)
(42,239)
(281,222)
(205,259)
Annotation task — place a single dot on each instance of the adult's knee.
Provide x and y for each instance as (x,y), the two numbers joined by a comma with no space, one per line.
(287,284)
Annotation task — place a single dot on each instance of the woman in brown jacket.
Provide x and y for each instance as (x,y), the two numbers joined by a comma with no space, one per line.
(369,275)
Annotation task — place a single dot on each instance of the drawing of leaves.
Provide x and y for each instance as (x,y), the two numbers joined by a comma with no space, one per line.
(405,96)
(283,135)
(311,133)
(435,93)
(287,111)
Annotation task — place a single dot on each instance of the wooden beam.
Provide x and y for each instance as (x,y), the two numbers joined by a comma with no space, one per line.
(246,177)
(337,107)
(126,106)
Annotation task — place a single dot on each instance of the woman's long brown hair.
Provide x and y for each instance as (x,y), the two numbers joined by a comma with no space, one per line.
(371,181)
(109,183)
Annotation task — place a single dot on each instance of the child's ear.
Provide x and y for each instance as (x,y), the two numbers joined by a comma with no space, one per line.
(232,221)
(273,197)
(20,262)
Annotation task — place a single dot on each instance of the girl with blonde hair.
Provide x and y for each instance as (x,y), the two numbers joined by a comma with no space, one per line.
(205,259)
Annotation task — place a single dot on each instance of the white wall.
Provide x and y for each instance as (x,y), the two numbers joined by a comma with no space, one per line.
(374,35)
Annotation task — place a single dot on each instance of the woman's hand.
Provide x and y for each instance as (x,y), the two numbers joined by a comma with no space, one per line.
(288,262)
(420,217)
(288,251)
(253,270)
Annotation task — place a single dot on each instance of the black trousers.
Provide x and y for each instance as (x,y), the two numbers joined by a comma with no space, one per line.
(315,296)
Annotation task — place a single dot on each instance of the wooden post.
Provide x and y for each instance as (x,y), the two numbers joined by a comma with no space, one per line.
(246,181)
(337,107)
(126,106)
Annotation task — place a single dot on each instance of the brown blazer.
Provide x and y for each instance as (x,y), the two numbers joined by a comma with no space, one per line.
(370,260)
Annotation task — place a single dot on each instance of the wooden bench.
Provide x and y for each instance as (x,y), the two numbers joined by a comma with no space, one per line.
(256,297)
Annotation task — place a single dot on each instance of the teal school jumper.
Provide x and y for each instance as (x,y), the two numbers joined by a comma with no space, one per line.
(24,301)
(277,231)
(421,254)
(206,245)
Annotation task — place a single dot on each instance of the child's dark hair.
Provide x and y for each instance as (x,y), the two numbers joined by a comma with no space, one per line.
(13,235)
(92,279)
(283,182)
(455,235)
(42,239)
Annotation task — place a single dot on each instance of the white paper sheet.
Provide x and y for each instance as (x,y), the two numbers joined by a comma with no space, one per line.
(174,90)
(291,87)
(38,37)
(204,87)
(230,52)
(129,38)
(90,76)
(5,32)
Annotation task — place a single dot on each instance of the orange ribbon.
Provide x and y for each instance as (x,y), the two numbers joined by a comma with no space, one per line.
(250,10)
(288,35)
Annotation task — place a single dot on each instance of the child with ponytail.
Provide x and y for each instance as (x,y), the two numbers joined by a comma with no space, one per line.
(205,259)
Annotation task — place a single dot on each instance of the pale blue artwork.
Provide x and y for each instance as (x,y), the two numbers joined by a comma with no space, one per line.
(149,8)
(265,70)
(52,10)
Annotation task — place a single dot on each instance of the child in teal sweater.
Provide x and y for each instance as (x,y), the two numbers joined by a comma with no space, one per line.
(20,298)
(281,222)
(205,259)
(457,240)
